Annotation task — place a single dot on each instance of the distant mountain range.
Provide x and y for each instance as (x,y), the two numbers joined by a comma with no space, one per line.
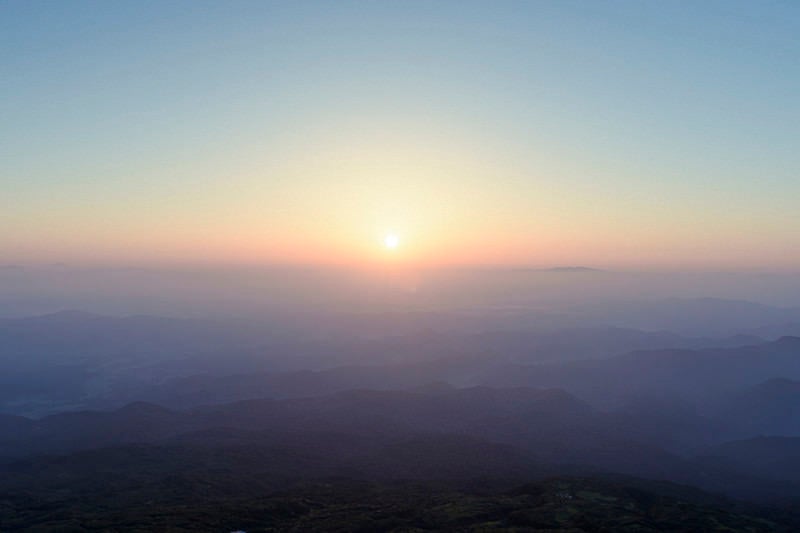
(446,433)
(210,426)
(72,359)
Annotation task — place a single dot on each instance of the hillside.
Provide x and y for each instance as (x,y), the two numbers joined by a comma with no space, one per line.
(195,503)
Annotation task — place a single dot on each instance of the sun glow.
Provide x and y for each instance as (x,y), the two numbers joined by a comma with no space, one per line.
(391,241)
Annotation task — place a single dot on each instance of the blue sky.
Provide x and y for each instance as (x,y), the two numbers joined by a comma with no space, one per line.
(611,133)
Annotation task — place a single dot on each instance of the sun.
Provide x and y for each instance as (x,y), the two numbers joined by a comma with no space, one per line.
(391,241)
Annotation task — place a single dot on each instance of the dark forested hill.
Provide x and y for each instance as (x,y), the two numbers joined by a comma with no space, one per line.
(212,501)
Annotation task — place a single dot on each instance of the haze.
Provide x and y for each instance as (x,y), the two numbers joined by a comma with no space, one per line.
(399,266)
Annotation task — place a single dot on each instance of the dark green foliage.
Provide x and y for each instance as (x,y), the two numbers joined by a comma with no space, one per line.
(219,498)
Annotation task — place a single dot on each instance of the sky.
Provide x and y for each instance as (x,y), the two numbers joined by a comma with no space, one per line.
(629,135)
